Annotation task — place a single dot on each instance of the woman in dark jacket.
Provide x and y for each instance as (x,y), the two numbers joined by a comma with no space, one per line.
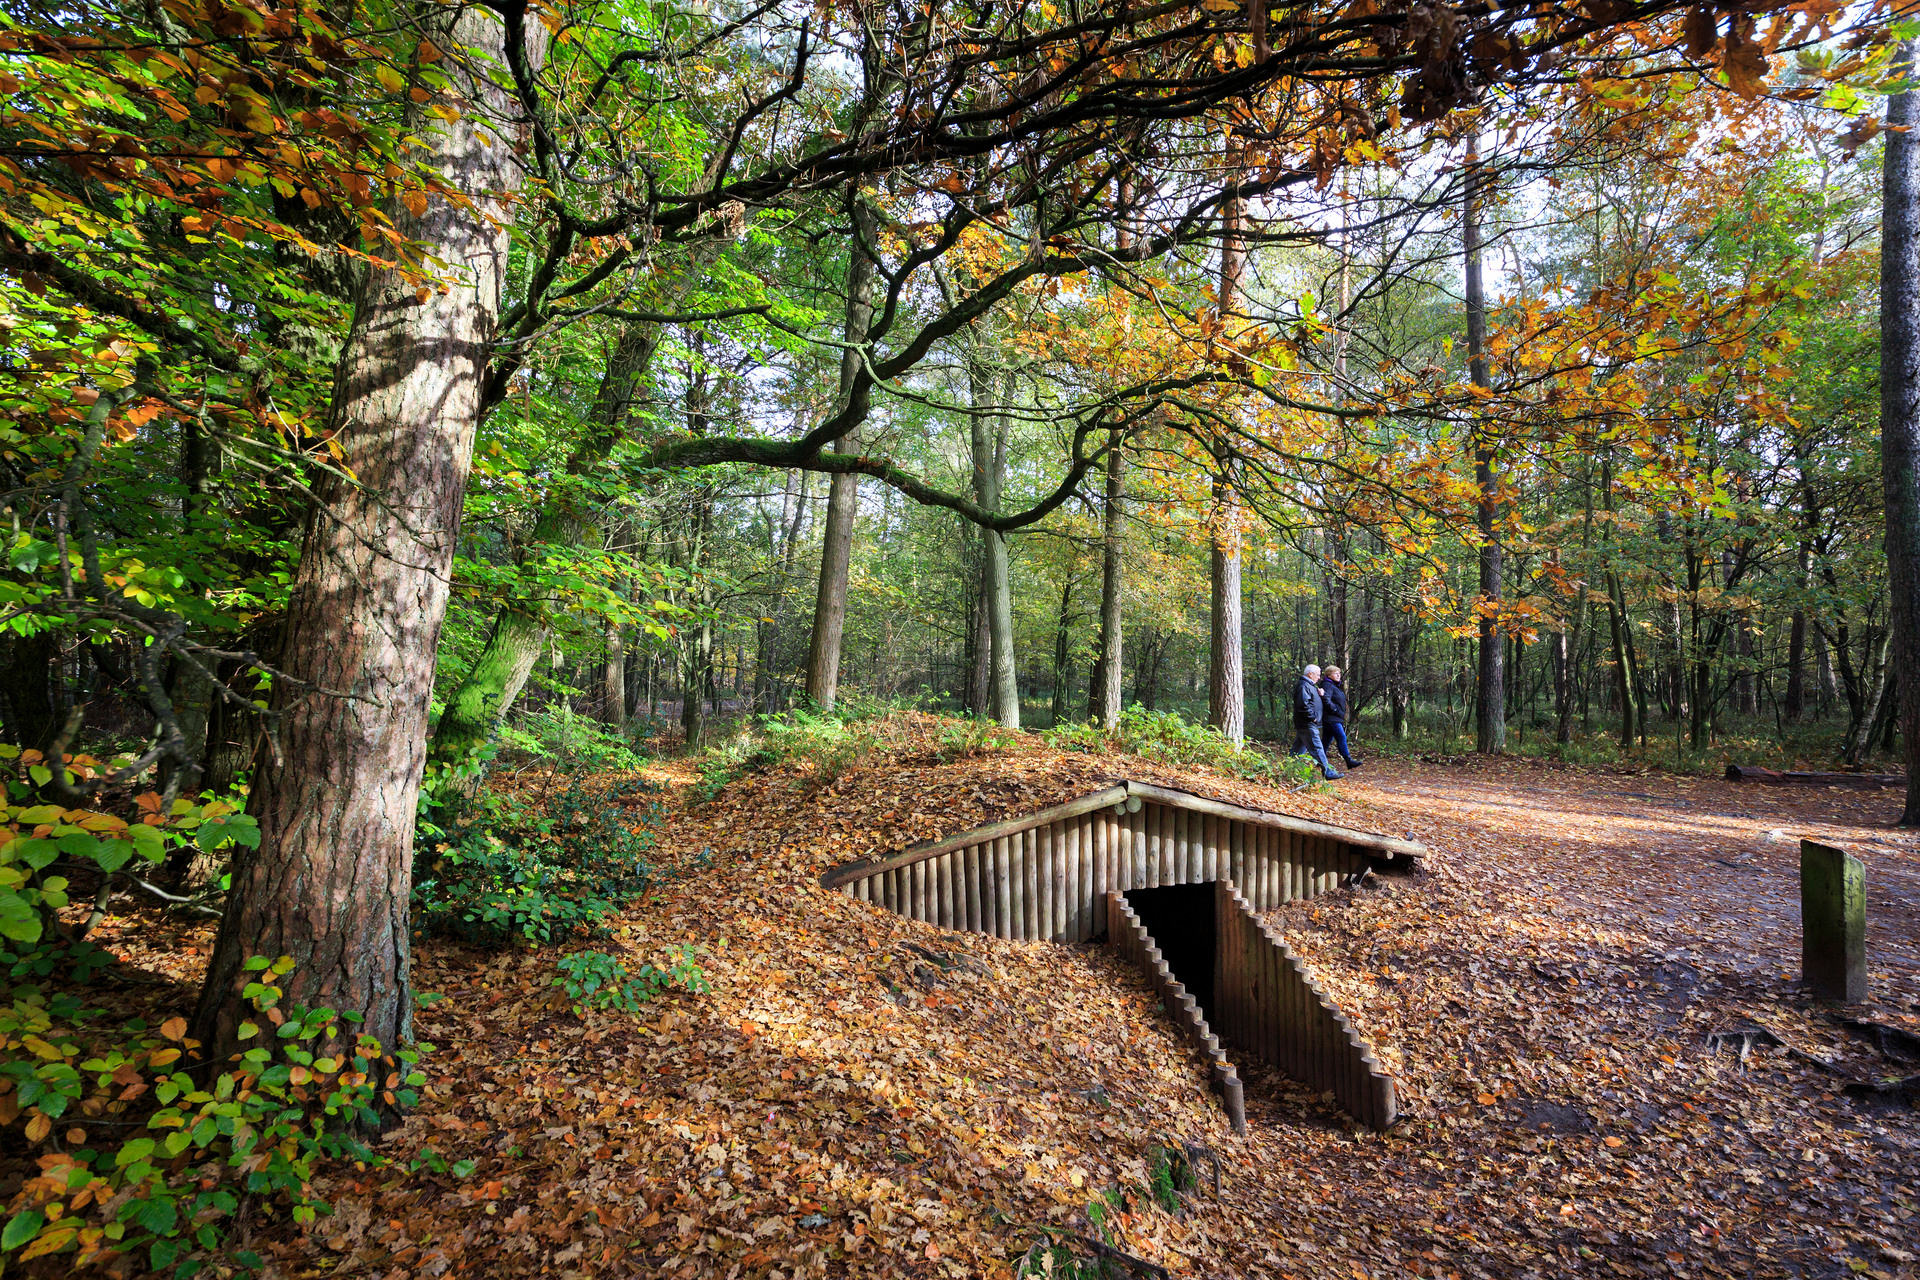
(1334,718)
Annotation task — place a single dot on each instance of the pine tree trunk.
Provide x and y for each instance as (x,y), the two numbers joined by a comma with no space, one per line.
(1900,414)
(843,495)
(1104,706)
(1226,674)
(330,882)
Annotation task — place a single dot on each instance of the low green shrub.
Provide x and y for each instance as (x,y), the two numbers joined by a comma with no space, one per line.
(975,736)
(144,1154)
(826,747)
(1170,738)
(501,873)
(594,979)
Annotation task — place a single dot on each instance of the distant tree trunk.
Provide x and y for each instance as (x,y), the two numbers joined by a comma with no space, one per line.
(330,882)
(989,439)
(1900,413)
(836,550)
(1490,701)
(1104,706)
(979,638)
(1226,671)
(1794,705)
(1062,646)
(1337,599)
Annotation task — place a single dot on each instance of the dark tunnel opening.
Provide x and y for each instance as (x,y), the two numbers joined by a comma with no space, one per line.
(1181,919)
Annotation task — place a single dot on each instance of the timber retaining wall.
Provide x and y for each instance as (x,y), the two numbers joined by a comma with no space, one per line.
(1266,1004)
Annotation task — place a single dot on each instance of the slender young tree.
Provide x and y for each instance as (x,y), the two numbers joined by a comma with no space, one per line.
(843,493)
(1490,703)
(1900,410)
(1226,674)
(1104,706)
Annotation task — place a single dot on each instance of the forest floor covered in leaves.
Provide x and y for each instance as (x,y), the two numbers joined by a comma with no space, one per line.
(864,1095)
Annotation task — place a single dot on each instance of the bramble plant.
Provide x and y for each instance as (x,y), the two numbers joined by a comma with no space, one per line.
(157,1160)
(594,979)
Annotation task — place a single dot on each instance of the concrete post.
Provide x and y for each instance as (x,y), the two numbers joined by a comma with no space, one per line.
(1833,923)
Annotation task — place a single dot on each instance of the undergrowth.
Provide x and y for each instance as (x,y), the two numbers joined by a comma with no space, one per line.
(596,980)
(144,1154)
(1170,738)
(504,872)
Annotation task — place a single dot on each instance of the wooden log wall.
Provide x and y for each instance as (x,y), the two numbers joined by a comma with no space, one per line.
(1046,877)
(1268,1005)
(1129,937)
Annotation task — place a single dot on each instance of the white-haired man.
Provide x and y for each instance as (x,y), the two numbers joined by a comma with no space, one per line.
(1307,712)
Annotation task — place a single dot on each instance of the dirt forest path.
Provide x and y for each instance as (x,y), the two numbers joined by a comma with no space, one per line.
(1712,865)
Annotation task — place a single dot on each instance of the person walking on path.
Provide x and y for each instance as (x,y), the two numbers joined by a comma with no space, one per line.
(1333,728)
(1308,709)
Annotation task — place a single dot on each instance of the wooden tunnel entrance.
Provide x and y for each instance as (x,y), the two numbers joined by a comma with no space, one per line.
(1174,882)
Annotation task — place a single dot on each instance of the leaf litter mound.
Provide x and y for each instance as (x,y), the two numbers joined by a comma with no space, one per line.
(864,1095)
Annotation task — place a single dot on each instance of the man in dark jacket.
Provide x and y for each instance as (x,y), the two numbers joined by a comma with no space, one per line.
(1307,714)
(1333,720)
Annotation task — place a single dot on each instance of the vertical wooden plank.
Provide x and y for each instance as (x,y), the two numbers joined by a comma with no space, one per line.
(1063,857)
(953,886)
(1017,880)
(1051,895)
(970,888)
(1137,849)
(1271,872)
(1090,887)
(922,891)
(1070,830)
(1040,849)
(1295,882)
(1104,844)
(1283,853)
(1219,839)
(1083,878)
(1002,889)
(938,901)
(1035,880)
(1148,876)
(1171,829)
(1066,841)
(1260,875)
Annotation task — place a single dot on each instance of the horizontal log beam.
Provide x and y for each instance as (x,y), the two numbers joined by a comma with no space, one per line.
(1388,845)
(1812,778)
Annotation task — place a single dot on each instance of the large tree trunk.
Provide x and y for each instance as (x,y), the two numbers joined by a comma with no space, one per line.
(478,704)
(330,882)
(1104,705)
(1226,672)
(843,495)
(1490,701)
(1900,414)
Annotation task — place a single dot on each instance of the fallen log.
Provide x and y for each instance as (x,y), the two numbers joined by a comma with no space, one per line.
(1813,778)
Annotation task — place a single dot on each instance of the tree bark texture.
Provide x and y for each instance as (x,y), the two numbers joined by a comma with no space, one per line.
(1900,413)
(330,882)
(1490,700)
(843,495)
